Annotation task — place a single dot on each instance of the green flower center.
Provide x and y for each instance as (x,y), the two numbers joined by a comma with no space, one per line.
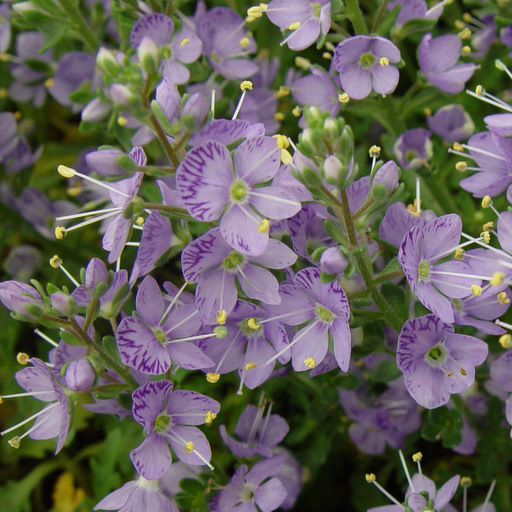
(159,335)
(423,270)
(162,423)
(316,7)
(436,356)
(238,192)
(323,314)
(166,52)
(367,60)
(247,492)
(411,154)
(232,260)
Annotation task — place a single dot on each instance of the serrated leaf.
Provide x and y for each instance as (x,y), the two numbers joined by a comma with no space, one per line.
(386,371)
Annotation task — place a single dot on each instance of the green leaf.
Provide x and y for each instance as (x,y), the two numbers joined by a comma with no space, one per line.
(430,432)
(191,486)
(168,128)
(333,229)
(81,96)
(392,267)
(386,371)
(110,347)
(395,297)
(110,391)
(70,339)
(38,65)
(452,438)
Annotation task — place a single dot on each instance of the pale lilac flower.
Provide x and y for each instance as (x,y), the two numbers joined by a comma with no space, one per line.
(413,148)
(452,123)
(435,361)
(253,490)
(304,18)
(20,298)
(168,417)
(213,184)
(438,61)
(413,10)
(363,63)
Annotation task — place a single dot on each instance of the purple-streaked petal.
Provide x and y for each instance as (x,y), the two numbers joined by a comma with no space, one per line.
(149,401)
(312,345)
(257,160)
(189,407)
(177,438)
(274,202)
(149,302)
(426,386)
(258,283)
(156,26)
(152,457)
(215,293)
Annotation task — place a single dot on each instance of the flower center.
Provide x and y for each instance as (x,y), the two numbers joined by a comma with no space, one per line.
(232,260)
(324,314)
(162,422)
(436,356)
(238,192)
(159,335)
(250,327)
(316,8)
(367,60)
(166,52)
(411,154)
(247,492)
(423,270)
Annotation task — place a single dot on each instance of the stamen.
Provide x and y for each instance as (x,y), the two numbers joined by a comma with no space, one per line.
(67,172)
(28,420)
(22,358)
(294,26)
(88,214)
(56,262)
(173,301)
(60,232)
(209,416)
(417,458)
(221,317)
(502,298)
(406,470)
(343,98)
(488,497)
(212,378)
(465,482)
(371,479)
(384,61)
(244,86)
(502,67)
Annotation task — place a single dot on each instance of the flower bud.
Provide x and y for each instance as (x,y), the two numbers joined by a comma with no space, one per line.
(22,299)
(333,261)
(63,303)
(122,95)
(149,58)
(194,112)
(95,110)
(80,375)
(332,169)
(95,273)
(387,175)
(107,62)
(105,162)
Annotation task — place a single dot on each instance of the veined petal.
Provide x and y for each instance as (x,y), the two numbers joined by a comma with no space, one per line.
(258,351)
(274,202)
(426,386)
(276,255)
(312,345)
(217,292)
(440,236)
(149,401)
(188,356)
(152,457)
(156,26)
(189,407)
(177,438)
(341,342)
(257,160)
(149,302)
(259,283)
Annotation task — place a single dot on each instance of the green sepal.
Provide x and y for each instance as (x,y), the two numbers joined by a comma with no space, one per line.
(167,127)
(70,339)
(127,163)
(317,254)
(38,286)
(333,229)
(112,391)
(311,179)
(81,96)
(327,278)
(386,371)
(38,65)
(101,289)
(51,288)
(109,345)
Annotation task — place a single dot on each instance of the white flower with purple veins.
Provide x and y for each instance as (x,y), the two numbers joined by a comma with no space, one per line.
(213,184)
(216,267)
(435,361)
(168,417)
(305,19)
(54,419)
(438,58)
(182,47)
(363,63)
(434,283)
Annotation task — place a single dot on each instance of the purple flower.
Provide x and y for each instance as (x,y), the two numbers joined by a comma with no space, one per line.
(210,262)
(452,123)
(181,48)
(256,489)
(433,282)
(226,131)
(22,299)
(435,361)
(304,18)
(363,65)
(324,311)
(137,495)
(414,10)
(413,148)
(52,421)
(167,416)
(438,61)
(214,185)
(259,432)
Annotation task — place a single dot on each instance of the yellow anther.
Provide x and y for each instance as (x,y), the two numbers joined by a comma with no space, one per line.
(286,157)
(221,317)
(246,85)
(60,232)
(479,91)
(189,446)
(297,111)
(212,378)
(505,341)
(465,481)
(22,358)
(55,262)
(488,226)
(4,57)
(254,12)
(476,290)
(3,92)
(66,171)
(327,55)
(464,33)
(279,116)
(122,121)
(49,82)
(294,26)
(302,63)
(370,478)
(282,92)
(486,202)
(343,98)
(1,400)
(244,42)
(459,24)
(15,442)
(139,221)
(459,254)
(185,41)
(253,324)
(465,50)
(374,151)
(497,279)
(414,208)
(310,362)
(427,111)
(502,298)
(75,190)
(461,166)
(450,373)
(282,141)
(416,457)
(384,61)
(463,372)
(264,224)
(457,146)
(467,17)
(209,416)
(249,366)
(250,19)
(263,7)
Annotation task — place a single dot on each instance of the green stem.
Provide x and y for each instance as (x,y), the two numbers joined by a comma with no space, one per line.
(387,277)
(356,17)
(80,23)
(163,140)
(339,29)
(364,266)
(378,18)
(91,310)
